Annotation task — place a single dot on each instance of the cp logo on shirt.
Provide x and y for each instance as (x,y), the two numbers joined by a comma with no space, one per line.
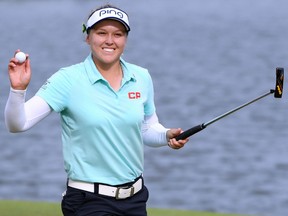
(134,95)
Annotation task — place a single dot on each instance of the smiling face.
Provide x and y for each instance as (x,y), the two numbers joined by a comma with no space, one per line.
(107,40)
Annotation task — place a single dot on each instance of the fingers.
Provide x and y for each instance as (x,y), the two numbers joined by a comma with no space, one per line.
(19,72)
(27,65)
(18,50)
(174,144)
(14,61)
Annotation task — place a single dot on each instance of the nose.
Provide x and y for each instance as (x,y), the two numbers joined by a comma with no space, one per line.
(109,39)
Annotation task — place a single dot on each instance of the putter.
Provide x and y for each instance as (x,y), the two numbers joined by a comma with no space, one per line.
(277,94)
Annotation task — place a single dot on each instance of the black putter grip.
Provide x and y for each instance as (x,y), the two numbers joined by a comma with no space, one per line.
(190,132)
(279,82)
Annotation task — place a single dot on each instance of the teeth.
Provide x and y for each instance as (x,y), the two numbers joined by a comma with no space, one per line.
(108,49)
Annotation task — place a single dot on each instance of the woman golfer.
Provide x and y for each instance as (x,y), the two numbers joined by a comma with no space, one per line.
(107,114)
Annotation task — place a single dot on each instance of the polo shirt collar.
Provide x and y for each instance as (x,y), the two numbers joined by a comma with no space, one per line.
(94,75)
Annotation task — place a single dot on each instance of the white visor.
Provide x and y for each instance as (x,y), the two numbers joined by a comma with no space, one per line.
(108,13)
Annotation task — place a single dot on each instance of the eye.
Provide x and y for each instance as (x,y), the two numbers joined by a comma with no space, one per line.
(119,34)
(101,33)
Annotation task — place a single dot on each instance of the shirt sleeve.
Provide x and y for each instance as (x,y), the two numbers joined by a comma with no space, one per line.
(56,90)
(149,107)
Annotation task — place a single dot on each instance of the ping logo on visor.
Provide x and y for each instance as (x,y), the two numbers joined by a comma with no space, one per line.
(107,13)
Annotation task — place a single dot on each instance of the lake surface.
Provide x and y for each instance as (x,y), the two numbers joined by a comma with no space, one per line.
(206,57)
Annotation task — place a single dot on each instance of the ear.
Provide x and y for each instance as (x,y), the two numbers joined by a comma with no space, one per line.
(87,39)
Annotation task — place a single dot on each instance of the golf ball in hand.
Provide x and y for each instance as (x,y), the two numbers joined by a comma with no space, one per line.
(21,57)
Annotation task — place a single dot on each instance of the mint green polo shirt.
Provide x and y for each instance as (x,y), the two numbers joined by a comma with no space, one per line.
(101,128)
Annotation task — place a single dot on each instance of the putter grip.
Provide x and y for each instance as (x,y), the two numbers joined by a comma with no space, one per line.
(279,82)
(190,132)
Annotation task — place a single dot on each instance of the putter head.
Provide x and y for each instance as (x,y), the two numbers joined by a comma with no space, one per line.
(279,82)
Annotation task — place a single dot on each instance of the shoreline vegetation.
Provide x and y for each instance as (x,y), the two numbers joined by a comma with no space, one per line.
(33,208)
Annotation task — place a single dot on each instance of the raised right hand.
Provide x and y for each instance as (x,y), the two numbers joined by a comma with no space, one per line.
(19,73)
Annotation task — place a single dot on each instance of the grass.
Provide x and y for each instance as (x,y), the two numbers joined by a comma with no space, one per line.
(29,208)
(170,212)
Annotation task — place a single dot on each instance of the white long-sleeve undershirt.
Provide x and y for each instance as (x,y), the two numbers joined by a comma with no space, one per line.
(21,116)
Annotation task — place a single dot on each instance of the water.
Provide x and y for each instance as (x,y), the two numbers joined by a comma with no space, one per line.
(205,57)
